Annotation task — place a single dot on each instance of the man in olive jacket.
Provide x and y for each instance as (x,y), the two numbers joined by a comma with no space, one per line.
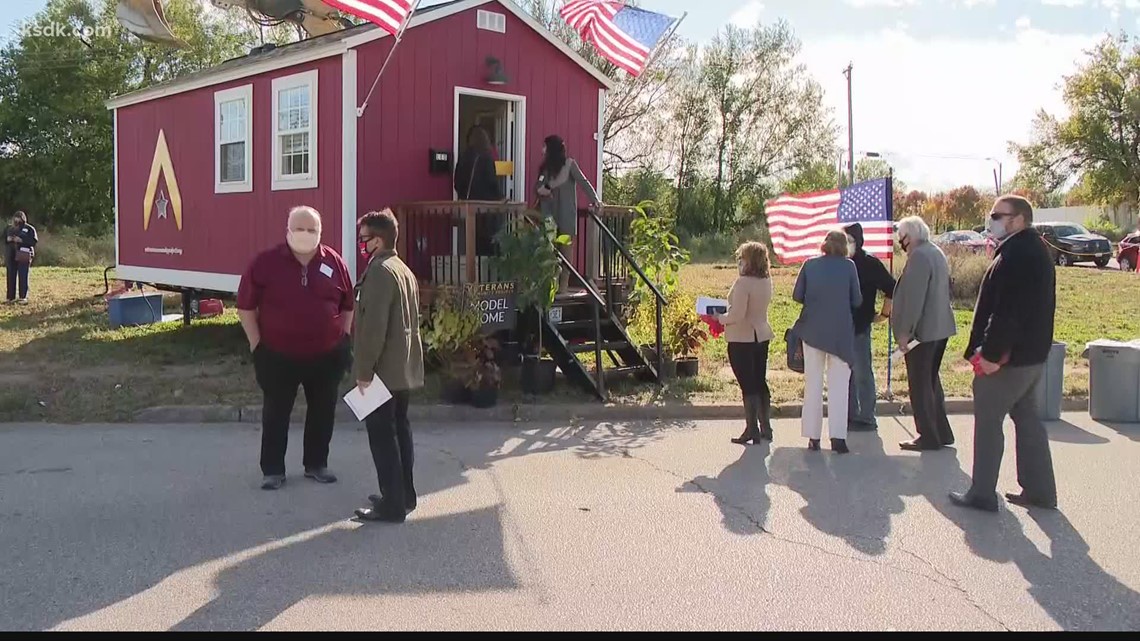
(386,342)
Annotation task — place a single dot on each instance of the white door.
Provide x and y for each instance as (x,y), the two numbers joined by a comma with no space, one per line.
(506,144)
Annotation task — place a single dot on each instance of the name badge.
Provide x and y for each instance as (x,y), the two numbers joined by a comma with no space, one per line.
(326,270)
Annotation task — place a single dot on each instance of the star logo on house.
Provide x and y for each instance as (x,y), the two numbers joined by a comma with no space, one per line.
(154,199)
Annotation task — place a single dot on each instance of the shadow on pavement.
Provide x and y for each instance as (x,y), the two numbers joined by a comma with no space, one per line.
(1066,432)
(1130,430)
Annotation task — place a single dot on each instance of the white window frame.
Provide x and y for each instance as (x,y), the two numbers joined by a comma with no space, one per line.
(491,21)
(244,92)
(281,182)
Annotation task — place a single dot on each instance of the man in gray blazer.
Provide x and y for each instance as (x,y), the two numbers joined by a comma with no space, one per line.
(922,312)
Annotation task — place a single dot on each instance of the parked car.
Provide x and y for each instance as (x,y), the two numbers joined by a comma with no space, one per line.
(1128,254)
(966,239)
(1072,243)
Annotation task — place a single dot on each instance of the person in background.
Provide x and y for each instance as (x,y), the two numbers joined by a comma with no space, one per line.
(296,305)
(748,334)
(1010,342)
(922,312)
(476,179)
(873,278)
(828,289)
(558,182)
(20,241)
(388,346)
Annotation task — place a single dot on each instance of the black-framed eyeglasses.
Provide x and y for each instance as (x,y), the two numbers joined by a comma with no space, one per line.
(998,215)
(364,239)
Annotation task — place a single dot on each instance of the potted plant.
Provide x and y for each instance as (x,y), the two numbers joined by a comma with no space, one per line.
(450,329)
(528,255)
(685,334)
(482,374)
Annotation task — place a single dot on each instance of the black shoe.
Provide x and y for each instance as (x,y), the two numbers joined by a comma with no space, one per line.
(378,501)
(918,445)
(965,500)
(746,437)
(1025,501)
(813,444)
(839,445)
(320,475)
(766,434)
(273,482)
(862,427)
(375,515)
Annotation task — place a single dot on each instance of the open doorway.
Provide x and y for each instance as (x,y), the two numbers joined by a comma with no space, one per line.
(504,118)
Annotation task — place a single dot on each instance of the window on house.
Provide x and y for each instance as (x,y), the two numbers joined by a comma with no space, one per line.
(233,140)
(295,131)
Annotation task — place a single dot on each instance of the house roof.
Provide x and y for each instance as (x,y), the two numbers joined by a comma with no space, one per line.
(330,45)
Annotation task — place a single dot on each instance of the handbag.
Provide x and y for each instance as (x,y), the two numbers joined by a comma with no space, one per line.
(795,350)
(24,255)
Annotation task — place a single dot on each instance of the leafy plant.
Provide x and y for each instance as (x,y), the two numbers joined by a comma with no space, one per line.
(654,245)
(683,333)
(477,368)
(451,327)
(528,255)
(1105,227)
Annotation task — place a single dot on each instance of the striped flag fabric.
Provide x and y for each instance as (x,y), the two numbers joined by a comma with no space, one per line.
(624,35)
(389,15)
(798,223)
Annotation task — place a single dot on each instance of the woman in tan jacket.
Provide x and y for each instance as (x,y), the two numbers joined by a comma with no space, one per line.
(748,334)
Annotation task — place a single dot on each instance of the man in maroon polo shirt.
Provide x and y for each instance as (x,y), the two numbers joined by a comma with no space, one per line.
(295,302)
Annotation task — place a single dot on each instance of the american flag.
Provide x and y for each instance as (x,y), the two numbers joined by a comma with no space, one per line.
(622,34)
(798,223)
(389,15)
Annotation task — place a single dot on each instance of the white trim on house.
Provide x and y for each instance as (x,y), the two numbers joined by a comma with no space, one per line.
(348,160)
(519,12)
(245,94)
(519,152)
(593,234)
(115,174)
(308,180)
(179,278)
(283,61)
(600,136)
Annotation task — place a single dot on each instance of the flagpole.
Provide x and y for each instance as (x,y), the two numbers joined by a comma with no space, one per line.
(661,45)
(399,36)
(890,338)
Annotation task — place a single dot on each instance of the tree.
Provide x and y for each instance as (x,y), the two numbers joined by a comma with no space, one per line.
(1100,140)
(816,176)
(55,132)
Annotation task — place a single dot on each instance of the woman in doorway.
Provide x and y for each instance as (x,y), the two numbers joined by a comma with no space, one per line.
(748,334)
(476,179)
(828,288)
(558,180)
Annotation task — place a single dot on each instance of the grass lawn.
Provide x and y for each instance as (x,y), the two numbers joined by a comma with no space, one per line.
(63,363)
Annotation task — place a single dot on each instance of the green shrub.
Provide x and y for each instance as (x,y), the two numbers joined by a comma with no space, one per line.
(718,247)
(1105,227)
(69,248)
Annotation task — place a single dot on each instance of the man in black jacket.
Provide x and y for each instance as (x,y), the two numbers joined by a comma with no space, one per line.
(873,278)
(1009,345)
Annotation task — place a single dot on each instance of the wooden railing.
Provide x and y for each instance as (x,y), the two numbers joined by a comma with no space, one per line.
(436,239)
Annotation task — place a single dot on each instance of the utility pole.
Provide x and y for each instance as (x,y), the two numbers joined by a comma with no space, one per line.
(850,130)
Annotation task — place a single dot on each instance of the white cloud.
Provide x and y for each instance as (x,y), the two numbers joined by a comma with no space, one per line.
(945,97)
(1063,3)
(1022,23)
(748,15)
(860,4)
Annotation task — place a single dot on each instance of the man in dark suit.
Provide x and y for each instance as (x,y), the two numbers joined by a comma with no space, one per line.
(1009,345)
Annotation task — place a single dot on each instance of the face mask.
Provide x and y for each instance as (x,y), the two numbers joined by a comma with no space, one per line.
(997,228)
(904,244)
(852,248)
(303,242)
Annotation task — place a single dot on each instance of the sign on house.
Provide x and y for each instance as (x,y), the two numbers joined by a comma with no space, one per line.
(496,304)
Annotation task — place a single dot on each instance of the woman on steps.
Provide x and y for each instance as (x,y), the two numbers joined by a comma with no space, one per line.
(558,182)
(748,334)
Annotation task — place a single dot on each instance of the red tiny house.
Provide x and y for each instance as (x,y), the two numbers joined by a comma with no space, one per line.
(255,136)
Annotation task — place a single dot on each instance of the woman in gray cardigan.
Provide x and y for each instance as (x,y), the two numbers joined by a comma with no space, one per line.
(828,289)
(922,312)
(558,182)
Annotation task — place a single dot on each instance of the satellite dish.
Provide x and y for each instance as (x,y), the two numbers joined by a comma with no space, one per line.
(144,18)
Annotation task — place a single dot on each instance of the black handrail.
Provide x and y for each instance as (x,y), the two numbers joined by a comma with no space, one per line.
(629,258)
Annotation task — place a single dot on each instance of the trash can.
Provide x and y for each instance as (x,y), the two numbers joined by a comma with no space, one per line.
(1051,387)
(1114,381)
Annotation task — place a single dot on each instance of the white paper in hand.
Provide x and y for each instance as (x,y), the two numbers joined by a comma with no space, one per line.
(709,306)
(899,353)
(363,403)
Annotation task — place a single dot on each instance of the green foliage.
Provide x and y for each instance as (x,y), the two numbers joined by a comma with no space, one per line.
(1105,227)
(450,328)
(967,269)
(72,248)
(655,247)
(528,255)
(683,333)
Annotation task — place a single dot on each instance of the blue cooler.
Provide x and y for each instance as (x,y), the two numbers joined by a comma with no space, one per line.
(130,310)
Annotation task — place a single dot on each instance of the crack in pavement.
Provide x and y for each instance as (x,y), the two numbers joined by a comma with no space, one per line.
(953,584)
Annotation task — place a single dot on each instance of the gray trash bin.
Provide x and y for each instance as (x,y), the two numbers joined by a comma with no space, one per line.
(1051,387)
(1114,382)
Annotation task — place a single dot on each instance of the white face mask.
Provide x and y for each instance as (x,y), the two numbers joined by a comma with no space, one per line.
(997,228)
(303,242)
(851,247)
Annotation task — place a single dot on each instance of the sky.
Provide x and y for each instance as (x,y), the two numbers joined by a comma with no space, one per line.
(938,86)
